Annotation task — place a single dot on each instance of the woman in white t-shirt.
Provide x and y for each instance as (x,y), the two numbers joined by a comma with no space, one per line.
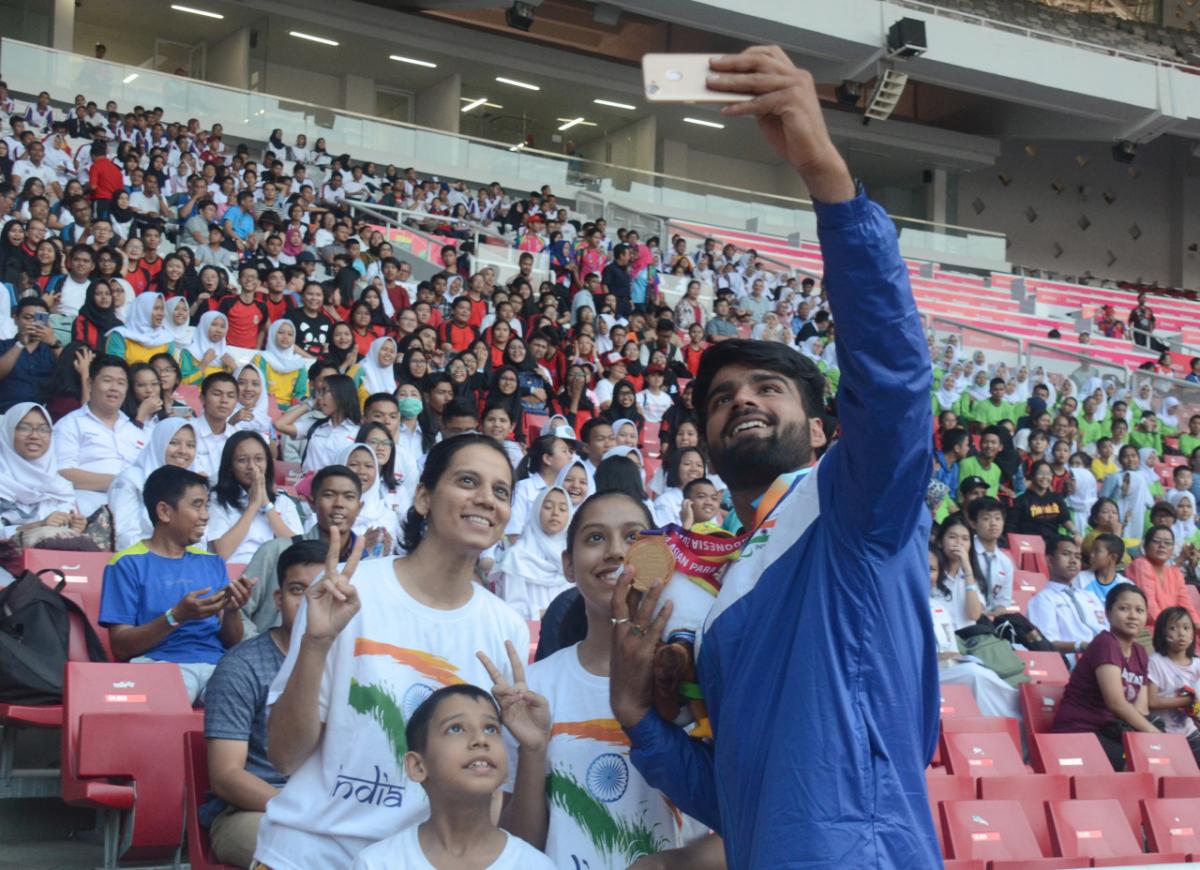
(529,574)
(994,696)
(654,401)
(326,436)
(1172,667)
(364,654)
(683,467)
(964,602)
(244,511)
(582,785)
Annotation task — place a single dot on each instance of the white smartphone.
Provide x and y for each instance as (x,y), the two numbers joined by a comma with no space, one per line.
(681,78)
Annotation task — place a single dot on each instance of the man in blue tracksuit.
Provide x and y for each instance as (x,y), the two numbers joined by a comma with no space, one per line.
(817,661)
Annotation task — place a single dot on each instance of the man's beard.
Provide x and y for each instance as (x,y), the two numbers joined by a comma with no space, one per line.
(754,463)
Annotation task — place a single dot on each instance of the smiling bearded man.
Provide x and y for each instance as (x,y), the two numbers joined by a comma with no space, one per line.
(817,659)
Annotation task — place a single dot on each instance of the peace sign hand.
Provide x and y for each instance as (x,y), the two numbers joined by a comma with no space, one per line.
(333,600)
(525,713)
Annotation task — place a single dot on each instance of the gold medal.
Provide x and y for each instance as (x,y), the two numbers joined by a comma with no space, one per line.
(652,560)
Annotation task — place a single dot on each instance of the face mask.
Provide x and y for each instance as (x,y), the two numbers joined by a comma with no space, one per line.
(410,407)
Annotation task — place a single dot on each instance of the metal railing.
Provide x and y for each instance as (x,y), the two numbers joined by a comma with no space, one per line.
(1079,367)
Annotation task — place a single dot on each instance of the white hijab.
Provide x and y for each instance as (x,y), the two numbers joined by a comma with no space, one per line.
(182,333)
(139,328)
(1169,404)
(619,424)
(561,478)
(1038,376)
(29,482)
(806,348)
(1183,529)
(375,512)
(979,393)
(378,378)
(283,361)
(536,556)
(262,417)
(202,344)
(153,456)
(948,395)
(1132,507)
(1021,394)
(1145,467)
(1081,500)
(1144,402)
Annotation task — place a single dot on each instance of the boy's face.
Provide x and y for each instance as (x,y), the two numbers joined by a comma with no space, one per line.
(1104,450)
(497,424)
(1101,559)
(1183,478)
(989,447)
(291,591)
(464,754)
(600,439)
(989,525)
(705,502)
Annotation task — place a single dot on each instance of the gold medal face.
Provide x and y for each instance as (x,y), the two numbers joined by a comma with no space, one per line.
(652,561)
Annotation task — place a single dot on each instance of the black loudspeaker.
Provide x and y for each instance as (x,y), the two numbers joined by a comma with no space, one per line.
(519,16)
(253,38)
(906,38)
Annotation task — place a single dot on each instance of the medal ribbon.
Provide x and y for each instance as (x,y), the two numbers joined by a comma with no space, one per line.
(699,557)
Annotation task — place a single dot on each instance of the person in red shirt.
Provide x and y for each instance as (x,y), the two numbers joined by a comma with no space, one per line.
(246,313)
(694,348)
(457,333)
(479,305)
(104,177)
(151,261)
(278,305)
(396,292)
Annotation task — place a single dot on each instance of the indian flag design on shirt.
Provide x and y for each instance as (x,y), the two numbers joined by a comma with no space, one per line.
(587,796)
(390,713)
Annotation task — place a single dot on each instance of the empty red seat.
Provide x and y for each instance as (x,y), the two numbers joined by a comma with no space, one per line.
(535,633)
(957,701)
(235,569)
(1029,553)
(965,865)
(84,573)
(1020,597)
(984,725)
(122,751)
(979,755)
(1045,667)
(1172,825)
(997,832)
(1031,792)
(1093,829)
(1029,581)
(1039,706)
(195,777)
(1069,754)
(940,787)
(1168,757)
(286,472)
(1128,789)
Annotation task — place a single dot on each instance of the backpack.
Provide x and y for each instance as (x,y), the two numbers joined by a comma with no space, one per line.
(996,653)
(34,627)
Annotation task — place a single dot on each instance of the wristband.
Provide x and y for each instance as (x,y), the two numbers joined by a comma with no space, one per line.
(972,587)
(170,617)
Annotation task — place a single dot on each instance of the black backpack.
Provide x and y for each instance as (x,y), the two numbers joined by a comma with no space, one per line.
(34,628)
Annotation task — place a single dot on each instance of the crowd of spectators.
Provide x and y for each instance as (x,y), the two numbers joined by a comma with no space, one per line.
(143,256)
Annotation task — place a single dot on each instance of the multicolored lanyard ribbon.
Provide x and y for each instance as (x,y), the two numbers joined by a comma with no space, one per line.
(699,557)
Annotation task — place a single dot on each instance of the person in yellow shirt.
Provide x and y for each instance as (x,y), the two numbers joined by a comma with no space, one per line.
(283,369)
(1103,464)
(144,334)
(207,352)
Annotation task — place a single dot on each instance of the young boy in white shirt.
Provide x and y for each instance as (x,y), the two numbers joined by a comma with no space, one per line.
(456,753)
(654,401)
(995,568)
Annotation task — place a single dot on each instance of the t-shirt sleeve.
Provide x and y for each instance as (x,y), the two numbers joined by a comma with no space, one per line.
(231,699)
(1105,650)
(120,594)
(1158,672)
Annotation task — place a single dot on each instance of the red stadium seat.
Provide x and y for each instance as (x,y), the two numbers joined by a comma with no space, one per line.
(651,443)
(190,395)
(1045,667)
(122,751)
(958,701)
(940,787)
(1172,825)
(1039,706)
(234,569)
(994,831)
(1029,581)
(286,470)
(984,725)
(1129,789)
(195,776)
(1098,830)
(979,755)
(1069,754)
(1021,597)
(965,865)
(1031,792)
(535,632)
(1167,756)
(1029,552)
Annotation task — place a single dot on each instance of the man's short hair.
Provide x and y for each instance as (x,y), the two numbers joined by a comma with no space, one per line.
(108,361)
(692,484)
(216,378)
(1163,509)
(1054,543)
(168,483)
(29,302)
(459,408)
(334,471)
(987,504)
(770,355)
(954,437)
(376,398)
(416,732)
(300,553)
(590,426)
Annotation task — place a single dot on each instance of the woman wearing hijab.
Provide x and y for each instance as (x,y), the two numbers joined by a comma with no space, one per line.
(1144,398)
(1168,420)
(376,373)
(1131,492)
(947,396)
(1082,493)
(284,370)
(96,317)
(173,442)
(145,334)
(528,575)
(207,353)
(275,144)
(36,502)
(534,382)
(644,276)
(376,518)
(253,409)
(177,319)
(120,215)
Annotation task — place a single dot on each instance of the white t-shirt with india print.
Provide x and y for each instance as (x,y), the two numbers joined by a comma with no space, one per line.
(352,791)
(603,815)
